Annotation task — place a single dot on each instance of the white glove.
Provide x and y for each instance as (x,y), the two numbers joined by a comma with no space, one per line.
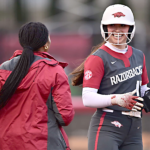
(127,101)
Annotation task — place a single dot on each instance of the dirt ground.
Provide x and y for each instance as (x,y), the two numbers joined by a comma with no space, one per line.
(80,142)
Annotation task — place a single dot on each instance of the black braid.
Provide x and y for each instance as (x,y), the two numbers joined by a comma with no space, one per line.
(32,36)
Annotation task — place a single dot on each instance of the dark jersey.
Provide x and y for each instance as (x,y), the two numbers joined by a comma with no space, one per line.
(115,73)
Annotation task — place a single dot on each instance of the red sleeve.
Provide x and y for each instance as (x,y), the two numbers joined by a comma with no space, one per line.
(62,97)
(93,72)
(144,74)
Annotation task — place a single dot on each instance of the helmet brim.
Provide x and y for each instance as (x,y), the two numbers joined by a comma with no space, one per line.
(117,21)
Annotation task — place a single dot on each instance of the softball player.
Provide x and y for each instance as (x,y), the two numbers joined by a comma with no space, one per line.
(115,79)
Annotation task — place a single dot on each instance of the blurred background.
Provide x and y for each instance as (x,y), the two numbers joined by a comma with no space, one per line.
(74,30)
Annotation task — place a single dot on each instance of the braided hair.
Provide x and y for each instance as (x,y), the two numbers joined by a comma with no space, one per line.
(32,36)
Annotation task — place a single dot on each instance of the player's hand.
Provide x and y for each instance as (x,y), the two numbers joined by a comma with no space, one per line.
(127,101)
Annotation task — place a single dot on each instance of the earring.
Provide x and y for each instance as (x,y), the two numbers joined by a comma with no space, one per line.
(46,47)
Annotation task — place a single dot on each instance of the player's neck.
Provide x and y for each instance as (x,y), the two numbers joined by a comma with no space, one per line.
(120,46)
(113,48)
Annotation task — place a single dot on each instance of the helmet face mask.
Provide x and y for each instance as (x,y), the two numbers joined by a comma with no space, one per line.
(118,14)
(118,43)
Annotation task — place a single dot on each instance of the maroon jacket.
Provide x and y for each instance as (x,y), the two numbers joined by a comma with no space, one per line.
(34,116)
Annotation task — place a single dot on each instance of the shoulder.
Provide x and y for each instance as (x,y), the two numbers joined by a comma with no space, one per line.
(10,64)
(48,73)
(138,54)
(93,62)
(93,59)
(53,67)
(47,59)
(137,51)
(99,52)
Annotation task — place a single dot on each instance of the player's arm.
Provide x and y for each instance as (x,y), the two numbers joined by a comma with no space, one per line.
(93,74)
(91,98)
(62,102)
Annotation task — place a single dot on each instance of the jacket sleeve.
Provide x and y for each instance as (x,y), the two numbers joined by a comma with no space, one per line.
(61,99)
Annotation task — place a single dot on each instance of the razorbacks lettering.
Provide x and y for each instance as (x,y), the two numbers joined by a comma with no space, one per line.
(126,75)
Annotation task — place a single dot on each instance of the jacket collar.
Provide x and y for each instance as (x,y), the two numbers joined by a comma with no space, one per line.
(42,54)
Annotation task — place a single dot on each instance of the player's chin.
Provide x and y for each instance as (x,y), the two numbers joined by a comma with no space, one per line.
(116,41)
(121,42)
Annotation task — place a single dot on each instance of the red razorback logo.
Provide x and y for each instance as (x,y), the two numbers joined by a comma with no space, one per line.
(118,14)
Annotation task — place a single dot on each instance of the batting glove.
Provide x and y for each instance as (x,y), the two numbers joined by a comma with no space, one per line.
(127,101)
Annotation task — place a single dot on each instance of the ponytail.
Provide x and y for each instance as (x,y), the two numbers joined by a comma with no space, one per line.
(32,36)
(16,76)
(78,73)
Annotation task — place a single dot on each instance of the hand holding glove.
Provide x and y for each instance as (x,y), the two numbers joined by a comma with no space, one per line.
(127,101)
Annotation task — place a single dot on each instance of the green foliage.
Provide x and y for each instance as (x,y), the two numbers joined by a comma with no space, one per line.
(20,11)
(76,90)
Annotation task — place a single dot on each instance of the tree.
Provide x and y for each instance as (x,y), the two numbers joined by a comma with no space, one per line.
(20,11)
(52,8)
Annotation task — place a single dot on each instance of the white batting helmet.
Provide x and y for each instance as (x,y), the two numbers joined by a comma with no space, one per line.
(118,14)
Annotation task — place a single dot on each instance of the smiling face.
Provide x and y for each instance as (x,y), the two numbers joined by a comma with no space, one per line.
(117,35)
